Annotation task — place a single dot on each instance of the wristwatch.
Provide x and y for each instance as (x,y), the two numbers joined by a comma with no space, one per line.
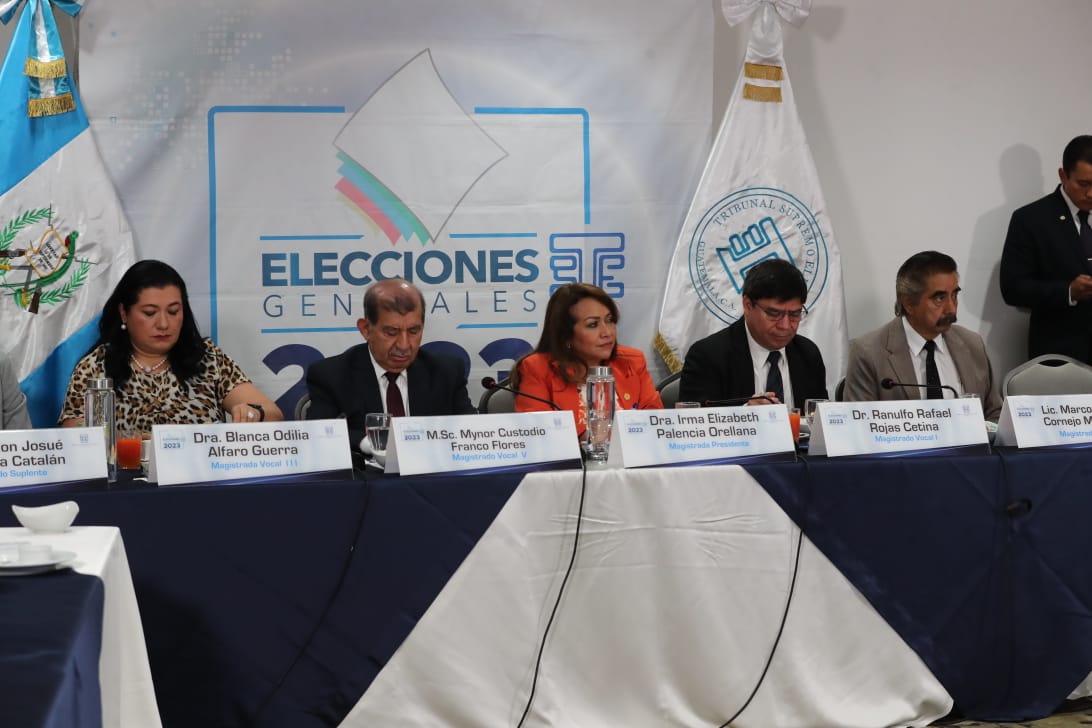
(261,410)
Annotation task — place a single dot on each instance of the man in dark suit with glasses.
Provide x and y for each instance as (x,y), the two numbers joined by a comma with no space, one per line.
(760,354)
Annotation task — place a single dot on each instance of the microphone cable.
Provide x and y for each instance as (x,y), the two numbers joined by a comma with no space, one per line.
(806,507)
(560,593)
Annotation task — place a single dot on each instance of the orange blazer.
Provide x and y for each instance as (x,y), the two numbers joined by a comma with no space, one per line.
(633,386)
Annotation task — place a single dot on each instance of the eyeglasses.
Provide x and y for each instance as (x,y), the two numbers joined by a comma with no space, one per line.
(776,314)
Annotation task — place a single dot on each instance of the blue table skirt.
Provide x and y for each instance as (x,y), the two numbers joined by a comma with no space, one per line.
(276,605)
(980,563)
(50,641)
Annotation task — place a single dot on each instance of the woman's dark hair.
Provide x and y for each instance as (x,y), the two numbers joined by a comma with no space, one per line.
(557,330)
(186,355)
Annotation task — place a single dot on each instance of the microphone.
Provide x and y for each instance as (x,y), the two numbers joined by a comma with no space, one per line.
(491,383)
(734,402)
(889,383)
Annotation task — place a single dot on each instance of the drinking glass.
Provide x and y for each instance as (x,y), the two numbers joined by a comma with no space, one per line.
(129,444)
(377,425)
(794,423)
(811,408)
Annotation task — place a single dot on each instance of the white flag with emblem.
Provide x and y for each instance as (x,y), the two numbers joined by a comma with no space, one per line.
(64,240)
(758,198)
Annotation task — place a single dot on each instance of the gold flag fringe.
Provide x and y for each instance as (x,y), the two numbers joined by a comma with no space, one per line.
(762,71)
(51,106)
(762,93)
(664,349)
(45,69)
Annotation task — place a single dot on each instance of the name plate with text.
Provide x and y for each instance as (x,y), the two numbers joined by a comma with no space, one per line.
(872,428)
(641,438)
(199,453)
(1045,420)
(420,445)
(35,457)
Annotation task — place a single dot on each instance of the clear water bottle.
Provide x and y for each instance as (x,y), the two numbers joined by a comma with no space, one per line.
(98,411)
(599,396)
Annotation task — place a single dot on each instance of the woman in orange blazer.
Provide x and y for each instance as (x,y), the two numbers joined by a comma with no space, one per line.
(580,331)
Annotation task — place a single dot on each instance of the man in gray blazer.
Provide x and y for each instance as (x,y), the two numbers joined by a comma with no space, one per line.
(922,352)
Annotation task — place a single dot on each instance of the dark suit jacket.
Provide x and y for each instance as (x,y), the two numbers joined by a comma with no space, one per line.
(346,385)
(719,367)
(1042,255)
(884,354)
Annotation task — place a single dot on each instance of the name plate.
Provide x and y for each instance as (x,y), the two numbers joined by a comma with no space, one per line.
(35,457)
(1045,420)
(871,428)
(199,453)
(661,437)
(420,445)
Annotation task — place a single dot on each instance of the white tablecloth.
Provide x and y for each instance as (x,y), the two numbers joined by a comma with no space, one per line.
(128,698)
(680,584)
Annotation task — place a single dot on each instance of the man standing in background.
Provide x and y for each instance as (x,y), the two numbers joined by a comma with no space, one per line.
(1047,260)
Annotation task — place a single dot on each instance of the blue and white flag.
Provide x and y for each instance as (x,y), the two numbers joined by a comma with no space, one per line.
(758,198)
(64,240)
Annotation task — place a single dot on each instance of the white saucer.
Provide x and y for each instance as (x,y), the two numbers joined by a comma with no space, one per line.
(36,563)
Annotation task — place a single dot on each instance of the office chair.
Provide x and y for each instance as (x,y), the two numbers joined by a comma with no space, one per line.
(1049,374)
(669,390)
(495,401)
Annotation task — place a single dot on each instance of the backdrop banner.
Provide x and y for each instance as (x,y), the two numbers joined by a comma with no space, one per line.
(285,156)
(758,198)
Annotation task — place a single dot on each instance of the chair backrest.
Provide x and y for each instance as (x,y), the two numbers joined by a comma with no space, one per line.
(840,390)
(1049,374)
(669,390)
(496,401)
(302,405)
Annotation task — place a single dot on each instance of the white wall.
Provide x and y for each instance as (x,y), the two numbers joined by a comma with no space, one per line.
(930,121)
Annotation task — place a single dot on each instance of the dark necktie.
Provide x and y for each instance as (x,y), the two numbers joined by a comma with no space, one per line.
(932,376)
(1086,237)
(395,407)
(773,377)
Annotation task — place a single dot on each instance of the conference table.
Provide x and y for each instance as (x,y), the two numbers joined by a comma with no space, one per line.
(917,583)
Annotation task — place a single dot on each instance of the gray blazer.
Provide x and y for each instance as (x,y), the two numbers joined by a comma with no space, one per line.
(884,353)
(13,403)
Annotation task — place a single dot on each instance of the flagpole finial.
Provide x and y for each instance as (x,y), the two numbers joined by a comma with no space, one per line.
(793,12)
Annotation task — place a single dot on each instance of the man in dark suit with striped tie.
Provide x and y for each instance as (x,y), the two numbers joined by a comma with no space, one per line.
(1046,265)
(389,372)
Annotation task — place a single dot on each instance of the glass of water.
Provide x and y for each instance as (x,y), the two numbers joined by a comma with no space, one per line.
(811,408)
(377,425)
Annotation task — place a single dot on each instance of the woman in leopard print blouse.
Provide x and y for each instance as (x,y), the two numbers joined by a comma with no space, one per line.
(164,371)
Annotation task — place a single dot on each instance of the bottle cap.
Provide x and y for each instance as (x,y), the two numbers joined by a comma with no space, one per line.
(600,372)
(101,383)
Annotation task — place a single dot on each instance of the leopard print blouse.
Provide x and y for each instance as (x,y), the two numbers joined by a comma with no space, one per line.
(158,398)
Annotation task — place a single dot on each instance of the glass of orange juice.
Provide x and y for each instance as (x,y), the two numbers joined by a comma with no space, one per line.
(794,423)
(129,444)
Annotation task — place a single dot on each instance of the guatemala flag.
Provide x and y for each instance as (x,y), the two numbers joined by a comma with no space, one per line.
(64,241)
